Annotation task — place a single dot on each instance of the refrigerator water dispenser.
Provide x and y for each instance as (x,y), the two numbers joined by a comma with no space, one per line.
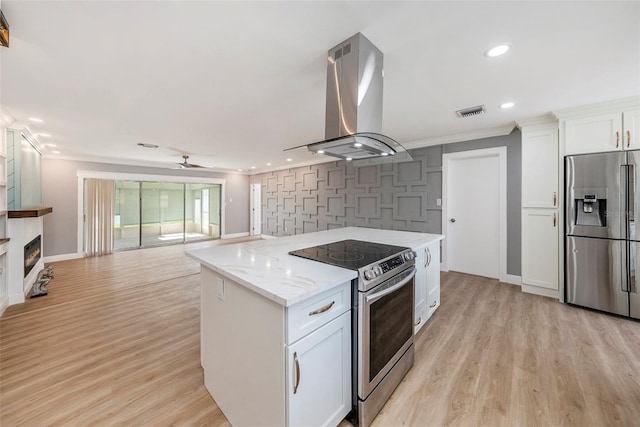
(590,207)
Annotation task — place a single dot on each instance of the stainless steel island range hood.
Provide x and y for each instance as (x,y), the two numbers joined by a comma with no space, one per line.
(353,122)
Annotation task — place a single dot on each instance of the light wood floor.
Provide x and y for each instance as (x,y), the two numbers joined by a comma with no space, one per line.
(116,342)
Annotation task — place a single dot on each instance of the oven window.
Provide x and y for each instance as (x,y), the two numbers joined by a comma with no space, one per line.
(391,325)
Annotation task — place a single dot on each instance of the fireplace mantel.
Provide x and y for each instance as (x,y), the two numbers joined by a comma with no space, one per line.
(34,212)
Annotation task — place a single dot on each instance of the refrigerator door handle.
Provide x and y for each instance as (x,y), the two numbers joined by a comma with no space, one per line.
(629,271)
(624,205)
(631,201)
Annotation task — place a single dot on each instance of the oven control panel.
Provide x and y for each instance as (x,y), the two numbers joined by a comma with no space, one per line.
(377,270)
(392,263)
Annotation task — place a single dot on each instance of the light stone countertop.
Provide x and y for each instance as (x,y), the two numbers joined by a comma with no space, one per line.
(265,266)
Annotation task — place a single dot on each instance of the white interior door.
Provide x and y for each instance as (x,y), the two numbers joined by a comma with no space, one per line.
(474,212)
(255,214)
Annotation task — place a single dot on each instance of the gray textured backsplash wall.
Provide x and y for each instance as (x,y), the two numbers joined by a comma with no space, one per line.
(395,196)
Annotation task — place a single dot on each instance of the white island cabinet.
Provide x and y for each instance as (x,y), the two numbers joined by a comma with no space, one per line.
(427,291)
(276,328)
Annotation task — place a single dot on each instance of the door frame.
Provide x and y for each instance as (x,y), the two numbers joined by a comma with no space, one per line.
(501,153)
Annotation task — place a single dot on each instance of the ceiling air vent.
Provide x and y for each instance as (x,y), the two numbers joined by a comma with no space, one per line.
(473,111)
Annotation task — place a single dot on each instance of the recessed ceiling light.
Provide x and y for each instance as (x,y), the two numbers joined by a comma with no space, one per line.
(268,164)
(55,152)
(239,170)
(36,120)
(145,145)
(384,154)
(253,167)
(51,145)
(320,151)
(498,50)
(507,105)
(288,160)
(357,145)
(348,159)
(46,135)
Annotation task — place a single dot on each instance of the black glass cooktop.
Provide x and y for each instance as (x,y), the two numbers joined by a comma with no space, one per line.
(351,254)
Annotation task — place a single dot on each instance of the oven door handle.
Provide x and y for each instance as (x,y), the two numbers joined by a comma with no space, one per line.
(378,295)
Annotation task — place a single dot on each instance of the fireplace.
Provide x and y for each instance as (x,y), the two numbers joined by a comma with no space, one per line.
(32,252)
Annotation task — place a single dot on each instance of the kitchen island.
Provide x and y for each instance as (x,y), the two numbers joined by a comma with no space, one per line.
(267,360)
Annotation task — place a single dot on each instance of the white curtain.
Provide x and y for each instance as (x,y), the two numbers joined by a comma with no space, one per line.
(99,216)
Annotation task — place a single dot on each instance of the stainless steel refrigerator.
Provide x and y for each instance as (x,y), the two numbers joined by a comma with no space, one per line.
(602,244)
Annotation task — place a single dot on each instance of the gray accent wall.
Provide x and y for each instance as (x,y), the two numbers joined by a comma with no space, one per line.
(395,196)
(59,190)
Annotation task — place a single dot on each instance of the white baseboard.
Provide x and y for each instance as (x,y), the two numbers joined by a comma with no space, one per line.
(235,235)
(513,280)
(4,303)
(63,257)
(551,293)
(268,236)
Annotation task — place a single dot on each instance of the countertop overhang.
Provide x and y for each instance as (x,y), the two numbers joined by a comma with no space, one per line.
(266,267)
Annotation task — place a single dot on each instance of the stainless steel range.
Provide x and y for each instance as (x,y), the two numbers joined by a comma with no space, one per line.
(382,317)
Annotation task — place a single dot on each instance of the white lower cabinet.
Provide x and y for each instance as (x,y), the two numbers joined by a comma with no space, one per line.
(420,291)
(269,365)
(433,278)
(427,290)
(319,375)
(540,248)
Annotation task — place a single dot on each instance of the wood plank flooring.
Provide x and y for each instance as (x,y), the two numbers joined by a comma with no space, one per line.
(116,342)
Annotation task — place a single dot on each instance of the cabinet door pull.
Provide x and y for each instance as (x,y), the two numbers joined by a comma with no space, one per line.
(428,257)
(555,198)
(418,322)
(433,305)
(554,219)
(628,138)
(295,360)
(617,139)
(322,309)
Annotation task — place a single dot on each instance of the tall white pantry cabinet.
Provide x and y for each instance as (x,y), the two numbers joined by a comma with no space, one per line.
(607,126)
(540,207)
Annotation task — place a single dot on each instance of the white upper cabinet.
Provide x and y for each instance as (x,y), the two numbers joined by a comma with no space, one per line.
(594,134)
(540,167)
(610,126)
(631,125)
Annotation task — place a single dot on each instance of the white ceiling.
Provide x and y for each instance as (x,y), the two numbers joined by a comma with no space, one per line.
(233,84)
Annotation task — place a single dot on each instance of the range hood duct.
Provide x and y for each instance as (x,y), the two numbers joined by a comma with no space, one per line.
(353,122)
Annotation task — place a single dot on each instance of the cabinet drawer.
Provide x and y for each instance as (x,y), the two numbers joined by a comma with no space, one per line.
(308,315)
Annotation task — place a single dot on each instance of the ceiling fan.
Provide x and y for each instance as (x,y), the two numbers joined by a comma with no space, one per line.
(185,164)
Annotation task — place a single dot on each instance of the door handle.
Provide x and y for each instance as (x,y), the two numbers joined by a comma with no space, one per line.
(555,198)
(554,219)
(452,220)
(374,297)
(617,139)
(295,360)
(628,138)
(428,257)
(322,309)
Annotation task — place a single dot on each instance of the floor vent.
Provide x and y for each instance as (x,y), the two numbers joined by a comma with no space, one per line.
(473,111)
